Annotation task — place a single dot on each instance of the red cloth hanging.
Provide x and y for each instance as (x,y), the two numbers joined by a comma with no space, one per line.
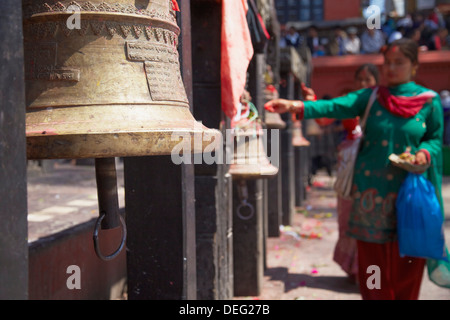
(261,21)
(237,51)
(175,5)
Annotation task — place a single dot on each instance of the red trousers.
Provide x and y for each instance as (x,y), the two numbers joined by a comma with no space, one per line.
(384,275)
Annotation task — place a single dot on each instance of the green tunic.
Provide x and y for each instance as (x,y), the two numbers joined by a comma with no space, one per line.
(376,180)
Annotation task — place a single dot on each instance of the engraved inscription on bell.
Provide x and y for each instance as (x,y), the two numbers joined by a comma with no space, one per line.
(162,69)
(41,64)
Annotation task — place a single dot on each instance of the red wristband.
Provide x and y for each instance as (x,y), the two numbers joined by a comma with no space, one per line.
(301,112)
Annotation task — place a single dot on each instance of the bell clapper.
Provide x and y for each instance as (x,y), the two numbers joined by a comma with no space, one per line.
(108,203)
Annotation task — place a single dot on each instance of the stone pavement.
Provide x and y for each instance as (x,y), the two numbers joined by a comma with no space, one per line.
(299,264)
(63,196)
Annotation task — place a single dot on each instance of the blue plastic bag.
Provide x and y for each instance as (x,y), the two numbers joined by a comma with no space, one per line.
(419,219)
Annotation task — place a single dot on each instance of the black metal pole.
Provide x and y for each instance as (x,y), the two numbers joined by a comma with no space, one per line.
(187,170)
(13,163)
(160,211)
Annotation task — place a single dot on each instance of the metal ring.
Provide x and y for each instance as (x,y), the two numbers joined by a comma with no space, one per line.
(96,243)
(245,204)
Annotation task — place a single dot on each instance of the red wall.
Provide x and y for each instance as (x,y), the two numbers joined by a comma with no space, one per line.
(49,258)
(334,75)
(342,9)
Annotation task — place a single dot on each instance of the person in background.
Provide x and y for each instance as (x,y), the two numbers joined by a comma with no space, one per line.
(336,45)
(414,34)
(372,40)
(438,39)
(397,34)
(434,20)
(346,250)
(268,75)
(406,22)
(417,20)
(313,42)
(404,116)
(445,101)
(352,44)
(282,43)
(293,38)
(389,26)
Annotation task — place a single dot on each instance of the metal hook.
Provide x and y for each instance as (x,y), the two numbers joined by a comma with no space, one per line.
(243,204)
(96,242)
(243,196)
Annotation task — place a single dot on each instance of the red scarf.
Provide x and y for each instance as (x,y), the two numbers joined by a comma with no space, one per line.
(402,106)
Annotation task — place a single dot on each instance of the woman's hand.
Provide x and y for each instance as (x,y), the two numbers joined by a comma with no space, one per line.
(283,105)
(308,93)
(421,158)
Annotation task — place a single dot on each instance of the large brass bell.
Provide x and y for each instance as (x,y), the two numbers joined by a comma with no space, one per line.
(111,87)
(103,80)
(250,160)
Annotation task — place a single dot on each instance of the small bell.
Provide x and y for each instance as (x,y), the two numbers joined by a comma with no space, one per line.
(298,140)
(250,160)
(273,121)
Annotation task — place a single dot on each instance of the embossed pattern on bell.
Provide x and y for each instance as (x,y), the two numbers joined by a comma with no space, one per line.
(111,86)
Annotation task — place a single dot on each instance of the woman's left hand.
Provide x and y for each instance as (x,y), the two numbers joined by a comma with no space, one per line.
(308,93)
(421,158)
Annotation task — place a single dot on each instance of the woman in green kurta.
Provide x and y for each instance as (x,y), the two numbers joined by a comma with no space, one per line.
(404,115)
(376,181)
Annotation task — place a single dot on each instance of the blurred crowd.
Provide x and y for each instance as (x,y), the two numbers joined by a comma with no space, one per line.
(430,30)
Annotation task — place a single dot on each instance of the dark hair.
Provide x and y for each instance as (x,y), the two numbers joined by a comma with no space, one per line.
(407,46)
(410,33)
(371,68)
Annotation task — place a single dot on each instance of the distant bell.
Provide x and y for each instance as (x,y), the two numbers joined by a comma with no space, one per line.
(250,159)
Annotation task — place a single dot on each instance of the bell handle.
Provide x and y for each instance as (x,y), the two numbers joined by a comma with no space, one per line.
(96,241)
